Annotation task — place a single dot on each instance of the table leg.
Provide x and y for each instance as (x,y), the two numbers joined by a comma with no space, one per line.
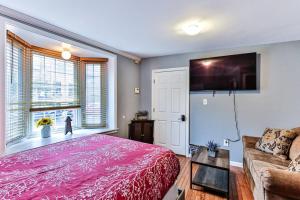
(191,176)
(228,184)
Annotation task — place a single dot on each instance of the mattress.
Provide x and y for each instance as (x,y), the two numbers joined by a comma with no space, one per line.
(91,167)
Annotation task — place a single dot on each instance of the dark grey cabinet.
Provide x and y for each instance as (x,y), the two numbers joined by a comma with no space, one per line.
(141,130)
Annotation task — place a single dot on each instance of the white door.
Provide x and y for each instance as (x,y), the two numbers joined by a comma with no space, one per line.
(170,108)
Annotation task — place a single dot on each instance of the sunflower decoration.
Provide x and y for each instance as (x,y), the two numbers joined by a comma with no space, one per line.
(44,121)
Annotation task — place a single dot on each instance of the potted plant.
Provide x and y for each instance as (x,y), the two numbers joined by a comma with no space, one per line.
(212,148)
(46,122)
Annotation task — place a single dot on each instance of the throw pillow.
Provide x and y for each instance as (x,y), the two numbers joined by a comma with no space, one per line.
(294,165)
(276,141)
(295,148)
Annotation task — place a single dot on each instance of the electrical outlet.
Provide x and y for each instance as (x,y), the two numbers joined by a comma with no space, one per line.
(205,102)
(226,143)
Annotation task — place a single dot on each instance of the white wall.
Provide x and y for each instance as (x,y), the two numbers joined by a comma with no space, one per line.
(2,85)
(275,105)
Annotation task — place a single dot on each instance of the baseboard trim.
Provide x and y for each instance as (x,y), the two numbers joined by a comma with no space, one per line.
(236,164)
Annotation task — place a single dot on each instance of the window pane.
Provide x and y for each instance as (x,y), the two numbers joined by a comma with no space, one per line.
(54,82)
(92,112)
(58,117)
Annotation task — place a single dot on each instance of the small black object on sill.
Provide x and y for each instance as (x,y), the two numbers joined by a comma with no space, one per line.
(68,127)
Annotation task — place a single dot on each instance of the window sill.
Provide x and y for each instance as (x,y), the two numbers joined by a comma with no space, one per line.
(31,143)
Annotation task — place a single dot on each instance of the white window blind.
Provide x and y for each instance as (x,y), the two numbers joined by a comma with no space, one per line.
(54,83)
(94,112)
(15,91)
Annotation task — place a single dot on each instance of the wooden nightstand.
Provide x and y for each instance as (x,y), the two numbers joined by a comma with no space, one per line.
(141,130)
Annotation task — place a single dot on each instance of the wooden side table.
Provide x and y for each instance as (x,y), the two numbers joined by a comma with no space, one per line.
(212,173)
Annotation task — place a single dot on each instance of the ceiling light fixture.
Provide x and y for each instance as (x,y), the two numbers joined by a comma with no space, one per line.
(192,29)
(65,54)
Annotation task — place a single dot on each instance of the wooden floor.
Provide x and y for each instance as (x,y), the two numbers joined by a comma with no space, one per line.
(239,188)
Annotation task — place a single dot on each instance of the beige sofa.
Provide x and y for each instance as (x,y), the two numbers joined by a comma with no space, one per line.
(268,175)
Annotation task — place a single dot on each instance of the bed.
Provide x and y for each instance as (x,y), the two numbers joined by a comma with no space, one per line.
(92,167)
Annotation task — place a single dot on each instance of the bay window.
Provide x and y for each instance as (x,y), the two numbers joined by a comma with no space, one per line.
(39,83)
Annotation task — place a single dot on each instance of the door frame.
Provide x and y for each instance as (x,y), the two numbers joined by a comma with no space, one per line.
(187,96)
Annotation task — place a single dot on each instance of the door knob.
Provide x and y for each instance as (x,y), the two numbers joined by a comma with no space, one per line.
(182,118)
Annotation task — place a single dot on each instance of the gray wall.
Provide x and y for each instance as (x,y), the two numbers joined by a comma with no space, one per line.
(275,105)
(128,102)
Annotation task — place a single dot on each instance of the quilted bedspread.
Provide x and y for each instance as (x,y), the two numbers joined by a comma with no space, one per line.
(91,167)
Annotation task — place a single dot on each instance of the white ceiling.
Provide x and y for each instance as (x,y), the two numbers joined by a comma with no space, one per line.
(52,44)
(149,28)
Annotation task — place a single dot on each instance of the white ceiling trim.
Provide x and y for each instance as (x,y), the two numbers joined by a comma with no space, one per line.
(44,26)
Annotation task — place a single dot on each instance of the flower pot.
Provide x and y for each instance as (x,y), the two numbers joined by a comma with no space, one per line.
(211,154)
(46,131)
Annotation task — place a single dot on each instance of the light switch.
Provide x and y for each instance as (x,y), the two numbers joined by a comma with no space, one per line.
(205,102)
(136,90)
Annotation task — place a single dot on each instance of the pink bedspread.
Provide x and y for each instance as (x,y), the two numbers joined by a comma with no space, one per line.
(92,167)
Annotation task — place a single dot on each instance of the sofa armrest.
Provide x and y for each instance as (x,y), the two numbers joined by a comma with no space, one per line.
(281,182)
(249,141)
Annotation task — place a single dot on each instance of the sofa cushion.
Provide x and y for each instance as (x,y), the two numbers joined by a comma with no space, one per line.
(283,183)
(258,166)
(295,148)
(276,141)
(254,154)
(294,166)
(255,167)
(297,130)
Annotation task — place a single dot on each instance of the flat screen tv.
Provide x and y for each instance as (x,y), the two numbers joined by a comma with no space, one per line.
(233,72)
